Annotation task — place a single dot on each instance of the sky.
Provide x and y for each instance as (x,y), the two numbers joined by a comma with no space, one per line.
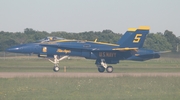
(89,15)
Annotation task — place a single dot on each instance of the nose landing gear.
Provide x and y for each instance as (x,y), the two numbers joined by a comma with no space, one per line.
(56,61)
(56,68)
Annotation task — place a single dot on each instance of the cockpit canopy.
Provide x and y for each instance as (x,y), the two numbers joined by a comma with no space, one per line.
(50,38)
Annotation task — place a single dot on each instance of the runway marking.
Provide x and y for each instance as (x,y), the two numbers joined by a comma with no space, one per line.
(61,74)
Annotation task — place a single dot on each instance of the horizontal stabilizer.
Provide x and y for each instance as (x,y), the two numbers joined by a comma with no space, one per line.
(162,51)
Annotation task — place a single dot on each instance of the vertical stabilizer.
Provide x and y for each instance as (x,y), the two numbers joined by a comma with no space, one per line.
(136,39)
(126,35)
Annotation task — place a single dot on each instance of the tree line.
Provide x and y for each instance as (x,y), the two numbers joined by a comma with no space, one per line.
(155,41)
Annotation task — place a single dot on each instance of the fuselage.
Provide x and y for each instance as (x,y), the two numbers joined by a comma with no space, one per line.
(87,49)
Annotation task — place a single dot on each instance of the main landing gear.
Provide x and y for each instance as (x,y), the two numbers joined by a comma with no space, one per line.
(56,61)
(102,66)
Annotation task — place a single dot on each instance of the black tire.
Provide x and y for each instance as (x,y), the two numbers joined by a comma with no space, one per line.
(56,69)
(101,69)
(109,69)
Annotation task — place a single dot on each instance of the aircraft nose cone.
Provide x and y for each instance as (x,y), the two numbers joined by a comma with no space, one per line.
(12,49)
(23,48)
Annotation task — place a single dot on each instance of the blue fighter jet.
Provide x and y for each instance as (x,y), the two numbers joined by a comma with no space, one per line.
(129,47)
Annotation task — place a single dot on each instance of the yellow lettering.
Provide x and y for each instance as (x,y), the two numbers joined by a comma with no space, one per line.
(137,38)
(63,51)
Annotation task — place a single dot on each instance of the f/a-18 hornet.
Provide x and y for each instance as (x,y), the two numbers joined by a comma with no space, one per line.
(128,47)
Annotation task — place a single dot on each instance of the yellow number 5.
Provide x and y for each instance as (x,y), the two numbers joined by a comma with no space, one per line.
(137,38)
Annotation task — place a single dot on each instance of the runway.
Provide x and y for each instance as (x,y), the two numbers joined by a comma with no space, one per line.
(76,75)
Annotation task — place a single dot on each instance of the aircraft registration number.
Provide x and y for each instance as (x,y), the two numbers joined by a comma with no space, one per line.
(107,54)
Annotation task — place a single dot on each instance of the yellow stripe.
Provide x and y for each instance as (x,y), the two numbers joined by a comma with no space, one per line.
(132,29)
(53,42)
(104,43)
(88,41)
(65,40)
(121,49)
(84,41)
(144,28)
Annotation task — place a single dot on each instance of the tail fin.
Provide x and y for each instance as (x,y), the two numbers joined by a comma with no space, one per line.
(126,35)
(136,39)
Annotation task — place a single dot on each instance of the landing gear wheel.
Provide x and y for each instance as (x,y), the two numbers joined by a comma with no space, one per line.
(109,69)
(101,69)
(56,68)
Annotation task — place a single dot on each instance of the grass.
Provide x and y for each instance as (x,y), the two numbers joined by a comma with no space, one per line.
(90,88)
(34,64)
(119,88)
